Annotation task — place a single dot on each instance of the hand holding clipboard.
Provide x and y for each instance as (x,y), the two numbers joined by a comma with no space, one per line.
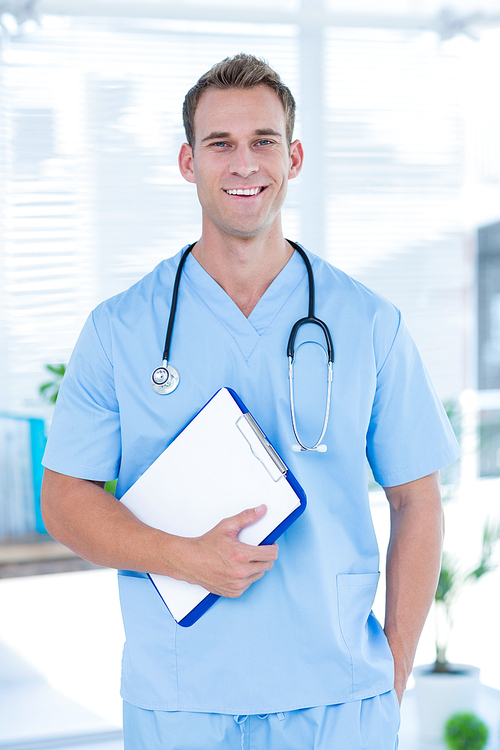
(227,566)
(214,469)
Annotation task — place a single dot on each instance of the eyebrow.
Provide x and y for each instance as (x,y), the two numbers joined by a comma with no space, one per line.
(268,131)
(215,136)
(221,136)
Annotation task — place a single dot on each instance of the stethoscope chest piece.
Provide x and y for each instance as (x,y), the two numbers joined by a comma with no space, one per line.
(165,379)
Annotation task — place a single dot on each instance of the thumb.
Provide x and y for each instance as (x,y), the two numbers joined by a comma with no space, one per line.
(245,518)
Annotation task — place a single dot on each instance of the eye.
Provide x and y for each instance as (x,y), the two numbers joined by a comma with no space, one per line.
(263,142)
(220,144)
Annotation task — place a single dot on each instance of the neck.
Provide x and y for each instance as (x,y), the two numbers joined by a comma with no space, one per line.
(243,267)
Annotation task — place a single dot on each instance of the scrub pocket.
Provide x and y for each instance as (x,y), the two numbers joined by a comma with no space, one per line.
(372,665)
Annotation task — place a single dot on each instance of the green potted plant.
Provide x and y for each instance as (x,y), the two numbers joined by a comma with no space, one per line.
(443,688)
(452,581)
(465,731)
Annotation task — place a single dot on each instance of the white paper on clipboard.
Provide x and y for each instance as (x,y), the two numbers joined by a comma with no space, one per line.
(219,465)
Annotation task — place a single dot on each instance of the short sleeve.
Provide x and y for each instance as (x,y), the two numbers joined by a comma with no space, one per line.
(84,437)
(409,435)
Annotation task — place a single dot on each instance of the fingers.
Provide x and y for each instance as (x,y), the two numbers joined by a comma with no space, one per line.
(240,583)
(261,554)
(247,553)
(247,564)
(224,565)
(234,524)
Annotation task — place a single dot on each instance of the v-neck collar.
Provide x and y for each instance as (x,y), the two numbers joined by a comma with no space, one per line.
(246,332)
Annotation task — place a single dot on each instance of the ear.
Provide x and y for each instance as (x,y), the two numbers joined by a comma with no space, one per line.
(186,162)
(296,159)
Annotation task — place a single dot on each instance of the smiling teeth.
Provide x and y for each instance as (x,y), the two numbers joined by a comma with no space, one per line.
(248,191)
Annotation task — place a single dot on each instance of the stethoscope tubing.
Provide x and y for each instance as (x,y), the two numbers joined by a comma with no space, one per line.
(309,319)
(173,306)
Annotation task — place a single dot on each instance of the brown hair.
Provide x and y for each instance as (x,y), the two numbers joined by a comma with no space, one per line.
(243,72)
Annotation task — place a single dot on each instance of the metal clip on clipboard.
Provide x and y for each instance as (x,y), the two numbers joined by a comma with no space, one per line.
(261,447)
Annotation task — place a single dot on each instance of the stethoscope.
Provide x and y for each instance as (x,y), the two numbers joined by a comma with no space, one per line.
(165,379)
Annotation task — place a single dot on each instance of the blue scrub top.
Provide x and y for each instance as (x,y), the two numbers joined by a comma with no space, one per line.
(304,635)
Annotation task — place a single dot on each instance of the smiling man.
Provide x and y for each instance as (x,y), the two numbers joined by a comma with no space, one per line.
(292,656)
(240,158)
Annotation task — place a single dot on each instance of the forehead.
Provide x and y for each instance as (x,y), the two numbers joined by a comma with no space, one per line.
(235,109)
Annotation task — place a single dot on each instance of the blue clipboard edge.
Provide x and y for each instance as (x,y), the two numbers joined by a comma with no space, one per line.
(210,599)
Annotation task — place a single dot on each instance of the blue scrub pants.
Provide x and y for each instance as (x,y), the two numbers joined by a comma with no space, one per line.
(370,724)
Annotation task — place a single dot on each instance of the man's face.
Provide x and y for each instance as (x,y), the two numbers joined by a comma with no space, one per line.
(241,162)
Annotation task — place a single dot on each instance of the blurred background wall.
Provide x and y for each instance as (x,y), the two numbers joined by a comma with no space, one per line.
(401,127)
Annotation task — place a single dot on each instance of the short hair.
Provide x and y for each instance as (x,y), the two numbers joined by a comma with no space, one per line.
(242,72)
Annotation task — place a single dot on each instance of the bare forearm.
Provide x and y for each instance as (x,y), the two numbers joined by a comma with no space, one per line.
(99,528)
(87,519)
(413,562)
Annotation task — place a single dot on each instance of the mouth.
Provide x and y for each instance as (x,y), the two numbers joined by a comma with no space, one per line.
(245,191)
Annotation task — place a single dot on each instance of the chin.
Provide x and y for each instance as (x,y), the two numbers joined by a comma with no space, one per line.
(248,232)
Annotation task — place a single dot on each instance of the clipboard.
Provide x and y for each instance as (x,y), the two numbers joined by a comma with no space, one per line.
(220,464)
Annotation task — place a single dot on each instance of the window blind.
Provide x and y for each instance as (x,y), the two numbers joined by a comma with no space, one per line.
(90,127)
(395,166)
(94,199)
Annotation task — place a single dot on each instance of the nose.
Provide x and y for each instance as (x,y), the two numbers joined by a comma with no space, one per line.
(243,162)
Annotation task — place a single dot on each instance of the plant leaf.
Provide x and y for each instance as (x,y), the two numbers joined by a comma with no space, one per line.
(449,579)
